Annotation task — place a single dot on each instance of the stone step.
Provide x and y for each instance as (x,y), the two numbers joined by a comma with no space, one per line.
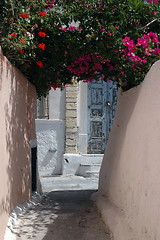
(92,174)
(89,170)
(74,162)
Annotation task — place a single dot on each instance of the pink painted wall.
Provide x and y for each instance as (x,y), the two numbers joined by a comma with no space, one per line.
(17,128)
(129,184)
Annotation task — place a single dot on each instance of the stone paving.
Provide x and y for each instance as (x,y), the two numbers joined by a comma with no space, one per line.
(65,212)
(68,182)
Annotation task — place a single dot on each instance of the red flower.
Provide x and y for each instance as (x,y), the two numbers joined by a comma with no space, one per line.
(54,86)
(22,40)
(42,14)
(42,46)
(9,36)
(21,51)
(42,34)
(14,35)
(24,15)
(40,64)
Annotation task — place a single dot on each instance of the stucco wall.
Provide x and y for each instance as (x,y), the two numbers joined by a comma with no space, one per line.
(50,146)
(129,185)
(51,135)
(17,101)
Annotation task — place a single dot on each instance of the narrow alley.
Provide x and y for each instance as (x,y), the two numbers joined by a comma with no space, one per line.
(64,215)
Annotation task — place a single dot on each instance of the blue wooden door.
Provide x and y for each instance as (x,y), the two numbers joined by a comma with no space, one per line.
(102,100)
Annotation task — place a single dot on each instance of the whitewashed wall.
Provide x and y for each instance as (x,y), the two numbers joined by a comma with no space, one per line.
(51,136)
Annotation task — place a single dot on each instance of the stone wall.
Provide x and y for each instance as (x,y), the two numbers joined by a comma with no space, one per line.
(17,130)
(129,185)
(71,119)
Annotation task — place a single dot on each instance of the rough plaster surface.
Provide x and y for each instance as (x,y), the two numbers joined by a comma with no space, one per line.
(50,145)
(17,128)
(129,184)
(14,219)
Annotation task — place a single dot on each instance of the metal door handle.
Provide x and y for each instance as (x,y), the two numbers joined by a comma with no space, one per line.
(108,104)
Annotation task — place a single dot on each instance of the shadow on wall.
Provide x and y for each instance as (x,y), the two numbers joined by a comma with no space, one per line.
(14,142)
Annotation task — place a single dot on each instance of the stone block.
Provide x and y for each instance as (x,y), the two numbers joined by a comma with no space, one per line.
(71,130)
(71,123)
(71,149)
(72,88)
(71,135)
(71,106)
(71,95)
(71,100)
(71,142)
(71,113)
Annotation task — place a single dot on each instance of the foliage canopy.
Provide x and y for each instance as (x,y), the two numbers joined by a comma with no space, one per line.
(54,42)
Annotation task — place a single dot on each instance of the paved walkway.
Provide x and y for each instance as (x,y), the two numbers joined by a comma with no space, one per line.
(64,214)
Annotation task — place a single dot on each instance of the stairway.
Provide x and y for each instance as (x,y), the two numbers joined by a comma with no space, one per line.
(86,165)
(89,170)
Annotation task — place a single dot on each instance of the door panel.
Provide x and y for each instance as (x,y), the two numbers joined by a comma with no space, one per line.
(112,94)
(102,99)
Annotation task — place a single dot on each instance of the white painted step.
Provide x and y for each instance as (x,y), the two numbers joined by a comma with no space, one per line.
(89,170)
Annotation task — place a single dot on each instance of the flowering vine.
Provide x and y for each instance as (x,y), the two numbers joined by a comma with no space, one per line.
(90,39)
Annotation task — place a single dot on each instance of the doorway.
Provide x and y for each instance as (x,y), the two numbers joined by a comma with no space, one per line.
(102,101)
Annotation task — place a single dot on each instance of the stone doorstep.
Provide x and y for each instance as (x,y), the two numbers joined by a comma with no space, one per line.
(91,164)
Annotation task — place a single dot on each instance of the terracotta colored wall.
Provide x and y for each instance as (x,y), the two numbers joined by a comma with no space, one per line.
(129,185)
(17,102)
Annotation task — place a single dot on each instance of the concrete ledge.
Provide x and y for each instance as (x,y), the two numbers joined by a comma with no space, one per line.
(114,218)
(50,121)
(72,161)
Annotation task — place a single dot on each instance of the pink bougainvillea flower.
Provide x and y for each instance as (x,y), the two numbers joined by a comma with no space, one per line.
(150,1)
(157,51)
(50,4)
(24,15)
(126,39)
(40,64)
(63,28)
(72,28)
(79,29)
(42,34)
(102,30)
(42,46)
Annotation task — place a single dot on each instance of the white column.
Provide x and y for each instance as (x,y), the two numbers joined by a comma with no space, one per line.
(82,118)
(57,104)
